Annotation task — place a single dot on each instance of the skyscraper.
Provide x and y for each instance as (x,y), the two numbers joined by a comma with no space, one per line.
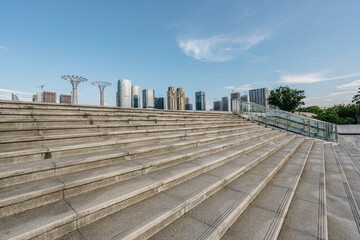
(160,103)
(218,106)
(180,99)
(259,96)
(188,105)
(135,96)
(49,97)
(123,95)
(65,98)
(14,97)
(148,98)
(200,101)
(244,98)
(234,95)
(225,104)
(171,98)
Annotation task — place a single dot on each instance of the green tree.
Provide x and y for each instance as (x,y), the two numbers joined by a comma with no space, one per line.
(356,98)
(312,109)
(286,99)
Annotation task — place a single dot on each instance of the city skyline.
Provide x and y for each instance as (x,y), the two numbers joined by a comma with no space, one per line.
(233,45)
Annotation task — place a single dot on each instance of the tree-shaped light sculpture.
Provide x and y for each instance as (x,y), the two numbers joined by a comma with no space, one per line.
(101,85)
(75,80)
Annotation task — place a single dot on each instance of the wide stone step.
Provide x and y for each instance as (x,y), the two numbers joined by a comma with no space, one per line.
(52,130)
(342,209)
(45,152)
(307,215)
(96,204)
(21,142)
(211,218)
(264,216)
(23,196)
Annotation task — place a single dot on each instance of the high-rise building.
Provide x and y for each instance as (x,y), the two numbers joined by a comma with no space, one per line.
(188,106)
(160,103)
(65,98)
(180,99)
(123,95)
(135,96)
(14,97)
(225,104)
(171,99)
(200,101)
(218,106)
(244,98)
(49,97)
(148,98)
(187,100)
(37,97)
(259,96)
(234,95)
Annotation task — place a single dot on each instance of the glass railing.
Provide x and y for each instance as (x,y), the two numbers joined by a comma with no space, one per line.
(286,120)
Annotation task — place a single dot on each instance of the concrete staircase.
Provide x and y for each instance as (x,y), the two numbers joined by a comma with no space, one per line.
(85,172)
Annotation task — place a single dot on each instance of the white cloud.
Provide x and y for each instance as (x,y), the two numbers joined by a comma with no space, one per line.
(343,97)
(3,48)
(245,87)
(351,85)
(219,48)
(312,78)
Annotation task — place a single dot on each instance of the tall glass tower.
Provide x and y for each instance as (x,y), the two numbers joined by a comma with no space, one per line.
(135,96)
(200,101)
(123,95)
(148,98)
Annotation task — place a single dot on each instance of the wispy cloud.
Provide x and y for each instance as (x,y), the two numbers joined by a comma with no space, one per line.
(245,87)
(351,85)
(312,78)
(4,48)
(331,99)
(220,48)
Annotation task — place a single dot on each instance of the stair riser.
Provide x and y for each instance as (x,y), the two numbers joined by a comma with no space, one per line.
(106,161)
(13,146)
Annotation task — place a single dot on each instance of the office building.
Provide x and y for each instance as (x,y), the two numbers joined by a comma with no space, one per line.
(188,106)
(49,97)
(37,97)
(135,97)
(225,104)
(123,95)
(259,96)
(200,101)
(234,95)
(180,99)
(244,98)
(187,100)
(171,99)
(160,103)
(14,97)
(148,98)
(218,106)
(65,98)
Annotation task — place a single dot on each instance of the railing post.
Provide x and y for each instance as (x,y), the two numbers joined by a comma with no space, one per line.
(327,131)
(336,134)
(309,128)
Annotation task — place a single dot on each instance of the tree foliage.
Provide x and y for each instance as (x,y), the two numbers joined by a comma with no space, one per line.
(311,109)
(341,114)
(286,99)
(356,98)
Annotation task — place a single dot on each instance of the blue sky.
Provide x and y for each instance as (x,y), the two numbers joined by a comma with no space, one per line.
(213,46)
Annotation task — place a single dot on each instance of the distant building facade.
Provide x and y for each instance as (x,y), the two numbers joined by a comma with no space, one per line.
(37,97)
(123,95)
(14,97)
(259,96)
(200,101)
(218,106)
(135,97)
(233,96)
(244,98)
(49,97)
(148,98)
(180,100)
(225,104)
(160,103)
(65,98)
(171,99)
(188,105)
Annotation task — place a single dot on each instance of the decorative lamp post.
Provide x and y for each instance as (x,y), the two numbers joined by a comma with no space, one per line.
(101,85)
(75,80)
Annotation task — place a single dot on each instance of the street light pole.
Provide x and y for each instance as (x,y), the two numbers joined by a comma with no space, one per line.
(101,85)
(75,80)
